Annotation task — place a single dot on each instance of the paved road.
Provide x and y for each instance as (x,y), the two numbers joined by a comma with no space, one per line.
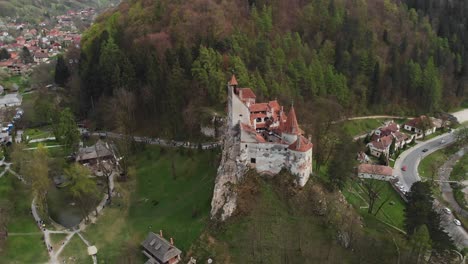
(411,159)
(446,189)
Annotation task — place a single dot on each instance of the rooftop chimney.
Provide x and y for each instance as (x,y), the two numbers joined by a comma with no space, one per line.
(172,241)
(160,233)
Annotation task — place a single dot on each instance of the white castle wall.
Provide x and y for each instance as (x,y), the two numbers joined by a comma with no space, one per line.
(269,157)
(300,164)
(238,110)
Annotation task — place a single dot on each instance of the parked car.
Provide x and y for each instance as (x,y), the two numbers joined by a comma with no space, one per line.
(457,222)
(425,150)
(447,210)
(403,168)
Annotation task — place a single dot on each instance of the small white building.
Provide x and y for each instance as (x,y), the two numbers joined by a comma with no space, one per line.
(8,100)
(376,172)
(420,125)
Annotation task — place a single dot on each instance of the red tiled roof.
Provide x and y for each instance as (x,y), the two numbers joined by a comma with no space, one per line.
(400,136)
(246,93)
(302,144)
(375,169)
(247,128)
(260,107)
(274,105)
(291,126)
(417,122)
(383,143)
(392,127)
(233,80)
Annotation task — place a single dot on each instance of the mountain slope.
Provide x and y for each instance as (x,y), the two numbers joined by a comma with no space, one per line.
(369,56)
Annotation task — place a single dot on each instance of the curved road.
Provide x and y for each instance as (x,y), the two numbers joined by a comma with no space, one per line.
(411,158)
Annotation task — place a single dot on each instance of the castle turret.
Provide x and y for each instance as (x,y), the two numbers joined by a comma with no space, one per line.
(290,129)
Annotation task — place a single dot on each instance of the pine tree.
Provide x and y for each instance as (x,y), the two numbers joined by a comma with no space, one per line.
(61,71)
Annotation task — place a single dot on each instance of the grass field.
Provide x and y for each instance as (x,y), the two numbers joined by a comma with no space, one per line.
(359,127)
(178,202)
(35,133)
(20,248)
(362,126)
(430,164)
(75,252)
(391,212)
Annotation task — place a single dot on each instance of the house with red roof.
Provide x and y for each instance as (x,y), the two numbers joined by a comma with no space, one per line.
(376,172)
(270,138)
(421,125)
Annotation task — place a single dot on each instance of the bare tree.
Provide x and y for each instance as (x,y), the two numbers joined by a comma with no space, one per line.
(121,113)
(322,115)
(373,190)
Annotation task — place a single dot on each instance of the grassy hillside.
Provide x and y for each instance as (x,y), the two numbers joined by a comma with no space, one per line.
(171,191)
(282,225)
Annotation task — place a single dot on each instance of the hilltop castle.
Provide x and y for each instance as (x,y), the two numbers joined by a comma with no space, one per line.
(269,139)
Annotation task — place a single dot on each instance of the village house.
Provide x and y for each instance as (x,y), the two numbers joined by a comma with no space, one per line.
(270,138)
(382,138)
(421,125)
(380,146)
(159,250)
(376,172)
(94,153)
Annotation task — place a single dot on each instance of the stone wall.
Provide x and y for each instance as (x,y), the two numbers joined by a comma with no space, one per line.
(300,165)
(265,157)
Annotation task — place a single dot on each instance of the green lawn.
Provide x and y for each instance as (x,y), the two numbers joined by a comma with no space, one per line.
(57,239)
(75,251)
(22,248)
(178,203)
(362,126)
(35,133)
(430,164)
(359,127)
(392,212)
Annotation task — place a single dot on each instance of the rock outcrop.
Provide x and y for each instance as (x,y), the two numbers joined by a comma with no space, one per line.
(230,172)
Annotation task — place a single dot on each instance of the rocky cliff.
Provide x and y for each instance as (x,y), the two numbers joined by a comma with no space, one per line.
(230,172)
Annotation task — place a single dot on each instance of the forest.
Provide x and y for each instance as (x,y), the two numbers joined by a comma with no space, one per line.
(175,58)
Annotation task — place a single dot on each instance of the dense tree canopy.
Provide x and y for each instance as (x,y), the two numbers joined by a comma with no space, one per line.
(368,56)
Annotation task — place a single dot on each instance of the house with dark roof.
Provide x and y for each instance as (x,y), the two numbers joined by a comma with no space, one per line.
(91,154)
(270,138)
(159,250)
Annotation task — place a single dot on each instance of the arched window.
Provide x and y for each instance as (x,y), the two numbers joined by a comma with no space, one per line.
(258,119)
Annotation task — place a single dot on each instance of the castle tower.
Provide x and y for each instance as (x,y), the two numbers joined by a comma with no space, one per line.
(290,129)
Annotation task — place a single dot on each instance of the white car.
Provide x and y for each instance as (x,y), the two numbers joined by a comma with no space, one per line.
(447,211)
(457,222)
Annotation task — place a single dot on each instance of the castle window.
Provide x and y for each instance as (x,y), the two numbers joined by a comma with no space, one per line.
(253,160)
(258,119)
(285,149)
(245,145)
